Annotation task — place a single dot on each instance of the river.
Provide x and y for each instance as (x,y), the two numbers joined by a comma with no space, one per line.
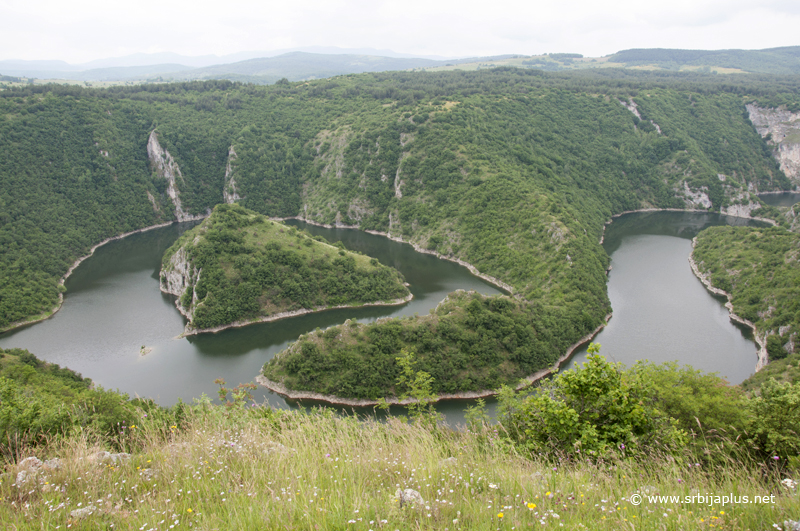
(113,307)
(662,312)
(785,199)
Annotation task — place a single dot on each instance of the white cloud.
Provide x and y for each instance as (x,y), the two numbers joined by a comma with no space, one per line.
(82,30)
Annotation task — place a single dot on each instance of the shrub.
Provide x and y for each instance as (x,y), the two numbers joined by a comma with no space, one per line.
(597,409)
(774,420)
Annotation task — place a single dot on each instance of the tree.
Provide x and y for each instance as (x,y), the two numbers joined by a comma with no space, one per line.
(416,385)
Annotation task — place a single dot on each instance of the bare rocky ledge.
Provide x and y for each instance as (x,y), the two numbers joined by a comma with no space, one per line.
(282,390)
(763,358)
(285,315)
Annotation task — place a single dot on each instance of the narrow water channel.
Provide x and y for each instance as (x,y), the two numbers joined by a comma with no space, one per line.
(785,199)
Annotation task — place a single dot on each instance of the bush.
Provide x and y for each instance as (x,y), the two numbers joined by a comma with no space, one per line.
(597,409)
(700,402)
(775,420)
(775,348)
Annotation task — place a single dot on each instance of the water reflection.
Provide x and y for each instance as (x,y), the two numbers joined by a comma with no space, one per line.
(113,306)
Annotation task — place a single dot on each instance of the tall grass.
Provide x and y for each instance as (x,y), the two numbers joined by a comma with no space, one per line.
(259,469)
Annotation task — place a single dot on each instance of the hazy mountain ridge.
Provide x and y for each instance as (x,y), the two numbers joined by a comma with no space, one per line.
(784,60)
(322,62)
(142,66)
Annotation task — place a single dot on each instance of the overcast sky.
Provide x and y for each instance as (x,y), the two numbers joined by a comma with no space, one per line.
(83,30)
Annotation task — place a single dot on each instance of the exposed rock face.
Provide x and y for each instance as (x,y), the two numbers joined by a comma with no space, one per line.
(177,276)
(793,217)
(229,192)
(695,199)
(398,184)
(741,210)
(156,208)
(359,209)
(784,129)
(631,106)
(166,167)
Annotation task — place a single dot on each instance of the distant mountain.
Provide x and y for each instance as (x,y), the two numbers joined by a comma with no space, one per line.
(784,60)
(319,62)
(99,70)
(298,66)
(120,73)
(20,67)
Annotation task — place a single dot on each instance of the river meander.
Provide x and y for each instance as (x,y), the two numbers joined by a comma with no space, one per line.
(113,306)
(662,312)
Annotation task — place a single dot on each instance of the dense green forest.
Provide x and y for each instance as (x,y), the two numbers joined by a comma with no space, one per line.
(239,266)
(512,170)
(759,268)
(468,343)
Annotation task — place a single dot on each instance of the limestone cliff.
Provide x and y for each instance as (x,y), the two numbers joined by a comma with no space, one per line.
(229,192)
(631,106)
(165,166)
(177,275)
(696,199)
(781,128)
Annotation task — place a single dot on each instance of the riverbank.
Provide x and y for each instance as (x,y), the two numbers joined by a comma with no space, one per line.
(76,263)
(763,358)
(472,269)
(285,315)
(697,210)
(282,390)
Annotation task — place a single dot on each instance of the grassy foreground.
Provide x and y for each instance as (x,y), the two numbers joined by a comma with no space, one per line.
(256,468)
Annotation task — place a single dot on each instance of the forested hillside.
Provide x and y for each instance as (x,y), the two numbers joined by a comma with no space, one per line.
(514,171)
(760,269)
(784,60)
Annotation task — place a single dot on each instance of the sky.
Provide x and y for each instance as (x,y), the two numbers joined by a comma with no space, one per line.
(79,31)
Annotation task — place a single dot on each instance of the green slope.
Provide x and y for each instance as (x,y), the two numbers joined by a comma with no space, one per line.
(760,268)
(785,60)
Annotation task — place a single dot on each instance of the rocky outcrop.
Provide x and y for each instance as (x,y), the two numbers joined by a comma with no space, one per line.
(793,217)
(741,210)
(229,192)
(631,106)
(165,166)
(697,198)
(781,129)
(178,276)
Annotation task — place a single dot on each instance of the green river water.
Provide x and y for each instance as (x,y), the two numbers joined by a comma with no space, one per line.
(113,306)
